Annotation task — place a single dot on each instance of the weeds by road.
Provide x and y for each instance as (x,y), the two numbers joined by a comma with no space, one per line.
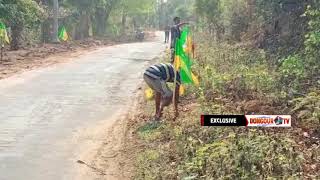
(234,80)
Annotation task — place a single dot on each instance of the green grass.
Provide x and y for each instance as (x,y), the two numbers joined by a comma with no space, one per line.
(185,150)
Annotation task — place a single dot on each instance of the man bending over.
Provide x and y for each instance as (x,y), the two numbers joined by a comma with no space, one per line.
(156,77)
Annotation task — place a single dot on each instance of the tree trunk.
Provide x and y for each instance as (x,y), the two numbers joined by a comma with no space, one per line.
(83,27)
(102,16)
(100,22)
(123,21)
(45,26)
(54,37)
(45,31)
(134,22)
(16,36)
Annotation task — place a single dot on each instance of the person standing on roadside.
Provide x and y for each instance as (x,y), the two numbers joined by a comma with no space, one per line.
(175,33)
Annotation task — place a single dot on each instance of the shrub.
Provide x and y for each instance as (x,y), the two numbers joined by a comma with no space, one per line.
(254,156)
(292,71)
(307,109)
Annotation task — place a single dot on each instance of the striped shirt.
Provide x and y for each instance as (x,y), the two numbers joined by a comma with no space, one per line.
(163,71)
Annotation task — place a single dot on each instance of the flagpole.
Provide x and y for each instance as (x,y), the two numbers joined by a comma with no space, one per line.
(175,77)
(174,89)
(175,72)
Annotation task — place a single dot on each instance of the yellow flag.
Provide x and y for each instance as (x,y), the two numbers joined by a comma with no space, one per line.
(195,79)
(181,90)
(177,62)
(188,46)
(148,93)
(4,35)
(62,34)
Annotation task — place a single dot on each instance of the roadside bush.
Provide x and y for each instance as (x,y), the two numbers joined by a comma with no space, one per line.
(236,72)
(292,71)
(307,109)
(232,76)
(252,156)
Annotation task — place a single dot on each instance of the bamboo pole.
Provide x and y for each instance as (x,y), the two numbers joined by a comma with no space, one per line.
(175,77)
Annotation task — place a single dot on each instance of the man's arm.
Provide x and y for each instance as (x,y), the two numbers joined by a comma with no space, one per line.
(183,23)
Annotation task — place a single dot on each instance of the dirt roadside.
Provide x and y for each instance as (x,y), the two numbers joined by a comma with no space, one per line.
(43,55)
(113,157)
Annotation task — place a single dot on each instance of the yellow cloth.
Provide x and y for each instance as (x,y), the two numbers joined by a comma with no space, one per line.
(148,93)
(195,79)
(181,90)
(4,35)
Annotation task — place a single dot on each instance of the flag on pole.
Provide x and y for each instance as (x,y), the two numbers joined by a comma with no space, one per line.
(62,34)
(183,60)
(3,33)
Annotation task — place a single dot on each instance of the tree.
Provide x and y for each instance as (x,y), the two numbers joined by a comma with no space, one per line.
(55,21)
(94,13)
(20,14)
(102,13)
(139,11)
(210,10)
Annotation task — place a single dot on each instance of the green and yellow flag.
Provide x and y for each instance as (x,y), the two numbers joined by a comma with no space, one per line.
(183,60)
(63,35)
(3,33)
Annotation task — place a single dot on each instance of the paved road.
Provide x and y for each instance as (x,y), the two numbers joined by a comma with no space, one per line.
(42,112)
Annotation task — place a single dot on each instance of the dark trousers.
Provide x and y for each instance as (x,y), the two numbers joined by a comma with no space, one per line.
(172,55)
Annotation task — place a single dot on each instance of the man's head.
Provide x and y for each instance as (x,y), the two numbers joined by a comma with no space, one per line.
(176,20)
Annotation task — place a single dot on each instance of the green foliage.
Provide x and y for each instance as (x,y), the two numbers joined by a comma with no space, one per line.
(292,67)
(234,74)
(234,71)
(141,11)
(19,16)
(148,170)
(304,65)
(210,9)
(312,41)
(251,156)
(307,109)
(185,151)
(166,10)
(292,71)
(21,12)
(150,132)
(139,7)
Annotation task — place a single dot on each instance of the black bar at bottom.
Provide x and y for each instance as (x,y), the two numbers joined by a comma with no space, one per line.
(223,120)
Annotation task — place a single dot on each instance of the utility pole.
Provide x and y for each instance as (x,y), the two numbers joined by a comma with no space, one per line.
(55,26)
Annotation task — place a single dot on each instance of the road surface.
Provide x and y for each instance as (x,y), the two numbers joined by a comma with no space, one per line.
(43,113)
